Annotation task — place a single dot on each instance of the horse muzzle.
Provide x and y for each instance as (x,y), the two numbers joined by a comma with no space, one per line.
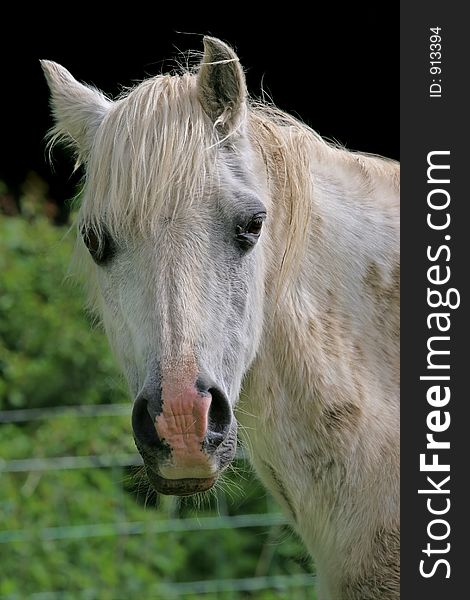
(186,434)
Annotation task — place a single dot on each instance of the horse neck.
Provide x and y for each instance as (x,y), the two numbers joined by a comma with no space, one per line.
(331,303)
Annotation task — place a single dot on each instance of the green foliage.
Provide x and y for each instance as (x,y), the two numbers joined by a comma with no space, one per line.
(50,355)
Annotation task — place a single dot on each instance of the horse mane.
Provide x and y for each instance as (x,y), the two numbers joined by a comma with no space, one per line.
(289,147)
(156,143)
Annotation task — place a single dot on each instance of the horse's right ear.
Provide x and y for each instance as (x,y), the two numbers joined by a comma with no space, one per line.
(78,109)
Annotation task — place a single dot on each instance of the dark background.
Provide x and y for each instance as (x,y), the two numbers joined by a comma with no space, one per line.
(337,68)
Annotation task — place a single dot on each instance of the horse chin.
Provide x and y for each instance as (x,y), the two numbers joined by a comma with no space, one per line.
(179,487)
(222,456)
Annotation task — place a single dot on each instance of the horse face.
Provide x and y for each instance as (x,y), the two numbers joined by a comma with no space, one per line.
(182,307)
(181,301)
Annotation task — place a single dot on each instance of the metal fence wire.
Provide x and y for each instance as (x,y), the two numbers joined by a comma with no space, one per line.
(241,587)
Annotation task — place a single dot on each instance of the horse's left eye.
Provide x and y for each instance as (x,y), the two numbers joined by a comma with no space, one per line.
(248,234)
(100,245)
(255,225)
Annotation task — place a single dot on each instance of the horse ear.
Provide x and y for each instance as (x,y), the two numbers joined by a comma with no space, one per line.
(221,85)
(78,109)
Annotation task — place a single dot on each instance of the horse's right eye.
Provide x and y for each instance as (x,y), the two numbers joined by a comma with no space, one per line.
(100,245)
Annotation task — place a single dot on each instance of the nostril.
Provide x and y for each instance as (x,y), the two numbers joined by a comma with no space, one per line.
(142,424)
(219,417)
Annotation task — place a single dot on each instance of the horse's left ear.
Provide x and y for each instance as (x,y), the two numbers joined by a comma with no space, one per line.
(221,86)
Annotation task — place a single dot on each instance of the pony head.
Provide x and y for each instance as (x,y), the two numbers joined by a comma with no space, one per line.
(170,230)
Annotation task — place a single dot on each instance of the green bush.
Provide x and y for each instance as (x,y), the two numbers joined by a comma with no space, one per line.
(49,353)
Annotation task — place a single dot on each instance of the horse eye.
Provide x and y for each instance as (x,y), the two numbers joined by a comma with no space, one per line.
(100,245)
(248,234)
(254,226)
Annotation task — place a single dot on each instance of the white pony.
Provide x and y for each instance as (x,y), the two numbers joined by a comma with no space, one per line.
(243,266)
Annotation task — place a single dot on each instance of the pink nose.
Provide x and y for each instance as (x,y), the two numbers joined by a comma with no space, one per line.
(184,419)
(193,421)
(179,422)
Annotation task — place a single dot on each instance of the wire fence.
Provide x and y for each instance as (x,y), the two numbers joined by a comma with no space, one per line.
(278,583)
(123,527)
